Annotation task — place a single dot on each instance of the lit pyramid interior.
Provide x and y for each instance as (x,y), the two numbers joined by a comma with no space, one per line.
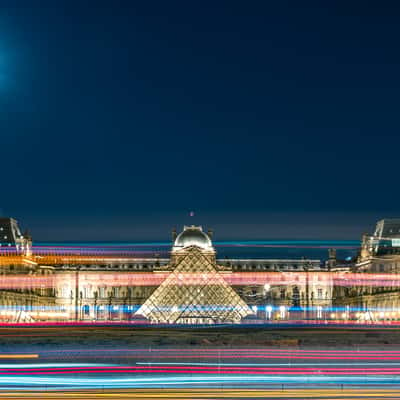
(195,292)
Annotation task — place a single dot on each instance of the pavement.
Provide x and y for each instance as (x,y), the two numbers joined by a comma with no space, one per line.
(346,335)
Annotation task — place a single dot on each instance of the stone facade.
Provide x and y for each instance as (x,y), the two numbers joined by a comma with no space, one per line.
(114,288)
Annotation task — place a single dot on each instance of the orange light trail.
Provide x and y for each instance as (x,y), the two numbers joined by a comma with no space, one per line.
(18,356)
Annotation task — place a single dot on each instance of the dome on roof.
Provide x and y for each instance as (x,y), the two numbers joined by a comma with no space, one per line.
(193,236)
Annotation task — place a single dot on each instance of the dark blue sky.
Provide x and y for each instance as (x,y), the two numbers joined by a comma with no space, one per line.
(268,119)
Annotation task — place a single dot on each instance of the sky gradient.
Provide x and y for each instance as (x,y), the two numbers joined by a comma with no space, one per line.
(268,119)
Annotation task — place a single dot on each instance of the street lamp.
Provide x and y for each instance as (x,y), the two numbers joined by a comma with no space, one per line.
(110,297)
(267,298)
(95,294)
(77,292)
(268,311)
(306,269)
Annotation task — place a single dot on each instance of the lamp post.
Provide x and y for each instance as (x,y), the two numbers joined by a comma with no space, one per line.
(71,305)
(124,307)
(305,267)
(267,298)
(130,303)
(77,293)
(80,314)
(110,297)
(95,294)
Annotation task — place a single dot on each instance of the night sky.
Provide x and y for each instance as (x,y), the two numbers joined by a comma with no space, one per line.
(267,119)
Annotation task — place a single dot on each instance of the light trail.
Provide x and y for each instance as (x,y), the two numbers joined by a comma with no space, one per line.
(224,354)
(195,381)
(290,364)
(86,254)
(221,354)
(228,350)
(333,315)
(124,278)
(318,325)
(17,356)
(255,368)
(50,365)
(260,357)
(217,393)
(221,369)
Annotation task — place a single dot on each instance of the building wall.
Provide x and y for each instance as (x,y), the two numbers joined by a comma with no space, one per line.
(87,289)
(295,289)
(19,301)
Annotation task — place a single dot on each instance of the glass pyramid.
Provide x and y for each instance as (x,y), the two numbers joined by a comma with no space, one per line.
(194,293)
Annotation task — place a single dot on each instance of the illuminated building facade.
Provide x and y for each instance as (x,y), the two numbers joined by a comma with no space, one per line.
(11,237)
(195,290)
(21,302)
(379,256)
(112,288)
(118,287)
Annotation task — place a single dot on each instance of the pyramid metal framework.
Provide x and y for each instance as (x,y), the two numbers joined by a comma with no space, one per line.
(194,292)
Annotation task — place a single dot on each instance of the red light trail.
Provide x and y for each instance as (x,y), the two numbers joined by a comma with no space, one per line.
(203,370)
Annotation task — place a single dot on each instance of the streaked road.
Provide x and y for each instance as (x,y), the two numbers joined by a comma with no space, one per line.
(163,369)
(128,365)
(215,394)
